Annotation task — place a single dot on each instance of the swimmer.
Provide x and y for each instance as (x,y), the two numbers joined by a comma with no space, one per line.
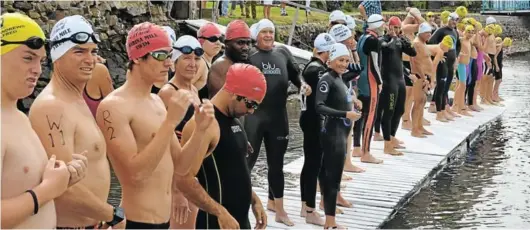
(498,64)
(139,132)
(431,19)
(334,103)
(158,85)
(64,123)
(480,43)
(409,27)
(369,85)
(237,43)
(221,157)
(464,58)
(211,40)
(472,70)
(99,86)
(489,78)
(270,124)
(392,101)
(439,71)
(336,17)
(310,125)
(28,197)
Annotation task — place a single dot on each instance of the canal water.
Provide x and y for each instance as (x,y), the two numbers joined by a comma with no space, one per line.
(490,187)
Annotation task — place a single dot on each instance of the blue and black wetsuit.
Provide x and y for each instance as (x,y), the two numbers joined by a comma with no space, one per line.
(333,101)
(269,123)
(392,99)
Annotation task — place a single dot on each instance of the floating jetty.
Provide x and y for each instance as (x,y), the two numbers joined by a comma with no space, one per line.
(383,189)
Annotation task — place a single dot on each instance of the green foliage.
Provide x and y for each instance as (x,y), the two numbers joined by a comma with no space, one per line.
(348,7)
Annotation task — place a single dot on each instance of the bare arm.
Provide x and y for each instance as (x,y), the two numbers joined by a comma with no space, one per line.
(202,76)
(57,133)
(17,209)
(105,83)
(215,80)
(362,10)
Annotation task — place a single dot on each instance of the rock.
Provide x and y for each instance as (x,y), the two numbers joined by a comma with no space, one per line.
(49,6)
(9,8)
(33,14)
(112,20)
(63,5)
(25,6)
(103,36)
(111,33)
(104,6)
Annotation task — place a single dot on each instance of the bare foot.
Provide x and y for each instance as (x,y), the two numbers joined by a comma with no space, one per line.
(450,111)
(284,219)
(448,116)
(417,134)
(440,117)
(335,227)
(465,113)
(392,151)
(270,206)
(406,125)
(352,168)
(474,108)
(346,177)
(312,217)
(303,210)
(343,202)
(432,108)
(396,141)
(368,158)
(378,137)
(356,152)
(426,122)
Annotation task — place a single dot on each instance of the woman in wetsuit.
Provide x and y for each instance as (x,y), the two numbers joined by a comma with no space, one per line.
(334,104)
(310,124)
(187,53)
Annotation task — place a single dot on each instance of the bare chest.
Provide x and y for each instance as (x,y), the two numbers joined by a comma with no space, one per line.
(145,124)
(87,135)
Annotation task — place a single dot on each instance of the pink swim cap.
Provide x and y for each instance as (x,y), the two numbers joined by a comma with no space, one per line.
(144,38)
(237,29)
(246,80)
(208,30)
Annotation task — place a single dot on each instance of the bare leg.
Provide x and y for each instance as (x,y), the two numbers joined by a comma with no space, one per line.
(407,124)
(417,119)
(281,214)
(348,165)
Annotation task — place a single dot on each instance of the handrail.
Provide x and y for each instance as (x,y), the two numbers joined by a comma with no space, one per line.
(505,5)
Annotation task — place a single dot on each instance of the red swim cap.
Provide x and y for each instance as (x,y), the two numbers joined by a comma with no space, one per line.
(394,21)
(144,38)
(208,30)
(247,81)
(237,29)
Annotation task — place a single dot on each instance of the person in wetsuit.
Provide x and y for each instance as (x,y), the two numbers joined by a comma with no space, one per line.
(310,124)
(507,42)
(225,193)
(270,123)
(334,102)
(392,99)
(369,85)
(211,40)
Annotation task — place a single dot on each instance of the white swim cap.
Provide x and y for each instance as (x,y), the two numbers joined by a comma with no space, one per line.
(490,20)
(338,50)
(414,12)
(424,28)
(253,31)
(323,42)
(337,15)
(171,33)
(375,21)
(340,32)
(263,24)
(453,16)
(65,28)
(185,40)
(350,22)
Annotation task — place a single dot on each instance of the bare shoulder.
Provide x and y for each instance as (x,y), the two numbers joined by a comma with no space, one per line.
(46,104)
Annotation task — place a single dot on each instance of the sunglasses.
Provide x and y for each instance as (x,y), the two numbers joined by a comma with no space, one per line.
(336,23)
(78,38)
(248,103)
(214,39)
(188,50)
(161,55)
(32,42)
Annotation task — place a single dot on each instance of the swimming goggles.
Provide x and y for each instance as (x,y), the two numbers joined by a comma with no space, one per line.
(161,55)
(78,38)
(248,103)
(213,39)
(188,50)
(32,42)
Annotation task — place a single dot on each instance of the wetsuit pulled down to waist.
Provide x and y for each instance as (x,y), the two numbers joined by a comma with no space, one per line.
(139,225)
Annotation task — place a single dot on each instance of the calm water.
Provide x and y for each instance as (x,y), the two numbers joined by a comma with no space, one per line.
(490,187)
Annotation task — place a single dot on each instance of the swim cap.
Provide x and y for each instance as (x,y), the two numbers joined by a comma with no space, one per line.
(144,38)
(424,28)
(375,21)
(18,27)
(171,33)
(413,12)
(490,20)
(472,21)
(338,50)
(340,32)
(489,29)
(245,80)
(478,26)
(394,21)
(498,29)
(350,22)
(185,40)
(208,30)
(323,42)
(460,26)
(253,31)
(453,16)
(444,16)
(65,28)
(237,29)
(507,42)
(430,14)
(263,24)
(461,11)
(448,41)
(498,39)
(337,15)
(469,28)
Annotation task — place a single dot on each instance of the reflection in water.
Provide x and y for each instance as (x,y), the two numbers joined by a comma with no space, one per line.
(490,186)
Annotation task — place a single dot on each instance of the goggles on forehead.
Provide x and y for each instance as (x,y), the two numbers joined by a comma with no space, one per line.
(188,50)
(213,39)
(32,42)
(248,103)
(78,38)
(161,55)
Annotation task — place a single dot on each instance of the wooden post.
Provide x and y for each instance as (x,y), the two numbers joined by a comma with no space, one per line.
(293,26)
(215,11)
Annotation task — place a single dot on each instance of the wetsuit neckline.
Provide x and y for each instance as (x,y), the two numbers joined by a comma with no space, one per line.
(265,51)
(317,59)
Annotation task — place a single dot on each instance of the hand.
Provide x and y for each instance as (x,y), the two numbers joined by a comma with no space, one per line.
(249,148)
(77,167)
(353,116)
(181,210)
(260,214)
(307,89)
(178,104)
(56,175)
(204,115)
(226,221)
(379,88)
(413,77)
(358,103)
(442,60)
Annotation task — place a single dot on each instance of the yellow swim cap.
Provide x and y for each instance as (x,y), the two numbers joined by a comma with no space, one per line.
(465,21)
(469,28)
(472,21)
(430,14)
(460,26)
(498,39)
(444,16)
(507,42)
(478,26)
(18,27)
(498,29)
(461,11)
(489,29)
(447,41)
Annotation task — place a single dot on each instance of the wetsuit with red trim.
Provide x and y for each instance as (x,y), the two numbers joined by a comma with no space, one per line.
(370,55)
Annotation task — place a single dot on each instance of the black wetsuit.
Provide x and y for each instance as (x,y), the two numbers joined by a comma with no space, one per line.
(392,98)
(187,117)
(203,93)
(498,72)
(472,74)
(310,123)
(269,123)
(225,176)
(445,70)
(333,101)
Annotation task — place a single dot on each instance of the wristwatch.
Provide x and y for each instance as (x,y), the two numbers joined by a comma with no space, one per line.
(118,216)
